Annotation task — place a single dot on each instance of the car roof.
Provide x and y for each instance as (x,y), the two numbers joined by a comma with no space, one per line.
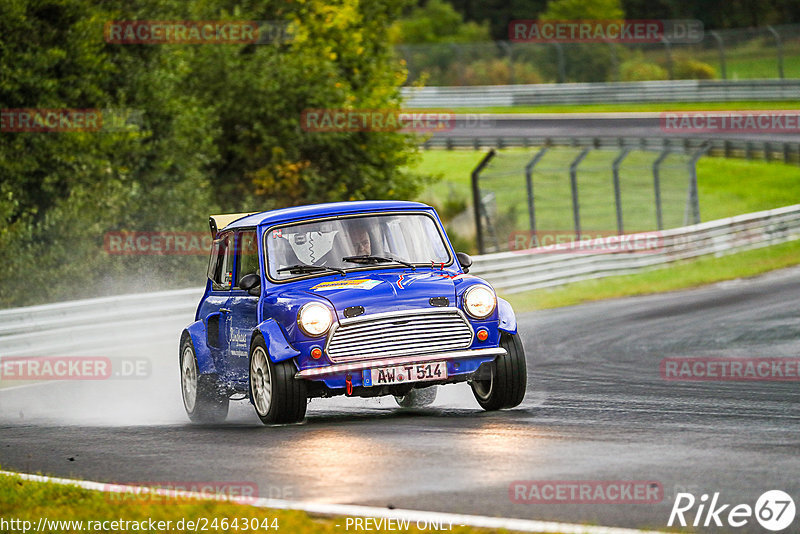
(320,210)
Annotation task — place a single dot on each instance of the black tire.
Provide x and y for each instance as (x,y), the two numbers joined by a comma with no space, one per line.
(202,399)
(287,399)
(417,398)
(505,388)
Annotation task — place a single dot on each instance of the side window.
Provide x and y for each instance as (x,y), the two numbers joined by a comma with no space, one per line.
(220,268)
(248,255)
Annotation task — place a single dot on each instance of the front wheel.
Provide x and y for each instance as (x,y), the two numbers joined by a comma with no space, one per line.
(417,398)
(508,377)
(277,395)
(203,401)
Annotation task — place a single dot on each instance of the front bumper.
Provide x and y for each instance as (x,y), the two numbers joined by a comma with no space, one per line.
(344,368)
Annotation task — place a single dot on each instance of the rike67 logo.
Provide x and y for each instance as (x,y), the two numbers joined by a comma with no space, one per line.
(774,510)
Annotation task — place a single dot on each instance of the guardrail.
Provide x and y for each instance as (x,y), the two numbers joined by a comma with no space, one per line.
(100,323)
(105,322)
(600,92)
(513,272)
(730,54)
(788,152)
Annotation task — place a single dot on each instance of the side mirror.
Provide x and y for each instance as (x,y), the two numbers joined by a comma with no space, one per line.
(464,260)
(251,283)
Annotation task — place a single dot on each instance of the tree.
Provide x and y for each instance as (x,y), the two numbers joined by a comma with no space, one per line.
(583,9)
(499,13)
(337,59)
(437,22)
(218,128)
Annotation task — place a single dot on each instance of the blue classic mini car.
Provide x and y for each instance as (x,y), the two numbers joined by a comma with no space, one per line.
(352,298)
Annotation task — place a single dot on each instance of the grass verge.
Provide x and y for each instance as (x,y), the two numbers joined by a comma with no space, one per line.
(641,107)
(727,187)
(679,275)
(30,501)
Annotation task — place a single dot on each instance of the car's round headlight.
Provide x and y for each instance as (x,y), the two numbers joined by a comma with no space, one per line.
(479,301)
(314,319)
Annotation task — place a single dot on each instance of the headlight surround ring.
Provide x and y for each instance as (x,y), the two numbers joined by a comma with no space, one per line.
(479,301)
(314,319)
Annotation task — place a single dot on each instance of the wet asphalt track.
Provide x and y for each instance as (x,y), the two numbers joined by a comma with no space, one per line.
(596,409)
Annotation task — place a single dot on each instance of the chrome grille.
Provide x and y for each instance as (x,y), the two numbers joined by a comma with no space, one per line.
(403,333)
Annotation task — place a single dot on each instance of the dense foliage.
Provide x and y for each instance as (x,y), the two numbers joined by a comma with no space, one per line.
(715,14)
(213,127)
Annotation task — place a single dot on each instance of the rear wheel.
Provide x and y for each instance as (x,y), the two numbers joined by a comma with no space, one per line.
(277,395)
(417,398)
(508,377)
(203,401)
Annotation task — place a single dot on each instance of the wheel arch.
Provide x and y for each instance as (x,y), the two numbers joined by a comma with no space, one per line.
(278,347)
(197,332)
(505,313)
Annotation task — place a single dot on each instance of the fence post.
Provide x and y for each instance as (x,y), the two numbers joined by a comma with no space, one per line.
(692,200)
(614,59)
(779,47)
(509,52)
(456,50)
(529,184)
(573,180)
(562,68)
(721,49)
(668,52)
(657,185)
(477,202)
(617,194)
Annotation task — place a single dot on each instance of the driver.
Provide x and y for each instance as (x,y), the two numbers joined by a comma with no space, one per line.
(362,243)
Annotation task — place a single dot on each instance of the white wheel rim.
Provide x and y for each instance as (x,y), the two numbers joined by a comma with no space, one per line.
(260,381)
(189,379)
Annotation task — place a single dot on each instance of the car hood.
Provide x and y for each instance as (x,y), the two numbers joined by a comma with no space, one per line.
(383,292)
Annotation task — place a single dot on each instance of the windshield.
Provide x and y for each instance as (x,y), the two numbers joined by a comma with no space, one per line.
(354,243)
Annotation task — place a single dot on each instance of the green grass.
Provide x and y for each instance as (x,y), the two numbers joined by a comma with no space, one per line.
(756,68)
(641,107)
(730,187)
(679,275)
(30,501)
(752,59)
(727,187)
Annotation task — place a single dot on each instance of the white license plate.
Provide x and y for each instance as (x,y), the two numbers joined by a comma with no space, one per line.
(400,374)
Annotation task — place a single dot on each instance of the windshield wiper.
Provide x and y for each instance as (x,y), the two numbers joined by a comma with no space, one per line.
(378,259)
(301,268)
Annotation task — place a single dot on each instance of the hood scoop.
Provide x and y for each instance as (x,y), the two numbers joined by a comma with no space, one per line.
(353,311)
